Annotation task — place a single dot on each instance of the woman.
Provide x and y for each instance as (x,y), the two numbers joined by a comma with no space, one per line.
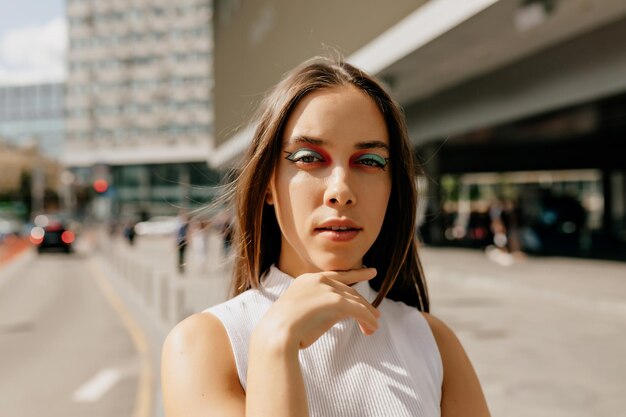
(325,203)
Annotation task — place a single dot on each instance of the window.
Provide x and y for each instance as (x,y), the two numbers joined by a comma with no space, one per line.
(167,175)
(200,174)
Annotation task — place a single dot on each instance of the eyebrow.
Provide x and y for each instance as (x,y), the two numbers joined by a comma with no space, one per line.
(372,144)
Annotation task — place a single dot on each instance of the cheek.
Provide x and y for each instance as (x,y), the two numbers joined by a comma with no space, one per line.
(375,199)
(296,198)
(303,194)
(374,189)
(382,207)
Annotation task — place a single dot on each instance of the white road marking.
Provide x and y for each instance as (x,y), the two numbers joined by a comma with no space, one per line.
(144,402)
(97,386)
(102,382)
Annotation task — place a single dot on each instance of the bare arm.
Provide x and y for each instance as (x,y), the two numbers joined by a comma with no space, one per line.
(461,391)
(275,383)
(198,372)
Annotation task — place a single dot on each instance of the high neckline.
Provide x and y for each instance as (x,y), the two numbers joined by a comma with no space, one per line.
(276,282)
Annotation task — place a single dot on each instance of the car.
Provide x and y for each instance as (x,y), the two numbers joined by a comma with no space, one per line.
(158,225)
(51,234)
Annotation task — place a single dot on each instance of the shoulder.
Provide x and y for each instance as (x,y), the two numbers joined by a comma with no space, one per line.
(198,370)
(238,308)
(444,336)
(411,322)
(461,390)
(450,347)
(448,343)
(199,330)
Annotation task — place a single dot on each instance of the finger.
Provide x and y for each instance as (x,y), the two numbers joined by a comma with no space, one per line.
(354,295)
(350,292)
(361,314)
(366,330)
(352,276)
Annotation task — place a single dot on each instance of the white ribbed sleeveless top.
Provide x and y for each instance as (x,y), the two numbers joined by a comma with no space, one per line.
(395,372)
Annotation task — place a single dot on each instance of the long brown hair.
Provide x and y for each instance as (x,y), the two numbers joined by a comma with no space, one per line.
(257,234)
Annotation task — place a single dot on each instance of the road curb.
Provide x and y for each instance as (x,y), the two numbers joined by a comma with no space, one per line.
(14,249)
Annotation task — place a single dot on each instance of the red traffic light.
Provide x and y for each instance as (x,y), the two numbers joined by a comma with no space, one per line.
(101,186)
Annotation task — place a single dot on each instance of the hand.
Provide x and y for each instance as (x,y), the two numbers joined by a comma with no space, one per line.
(313,303)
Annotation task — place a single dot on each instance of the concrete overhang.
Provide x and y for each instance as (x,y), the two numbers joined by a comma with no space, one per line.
(427,52)
(446,43)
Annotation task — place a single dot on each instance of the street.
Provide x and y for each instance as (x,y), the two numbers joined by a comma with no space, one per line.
(546,335)
(63,349)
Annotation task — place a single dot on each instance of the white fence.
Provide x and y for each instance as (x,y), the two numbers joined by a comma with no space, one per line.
(167,296)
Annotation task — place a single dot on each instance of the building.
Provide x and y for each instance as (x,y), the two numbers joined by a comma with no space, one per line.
(28,179)
(488,86)
(33,115)
(139,100)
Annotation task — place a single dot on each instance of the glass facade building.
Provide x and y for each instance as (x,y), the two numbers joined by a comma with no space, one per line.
(33,114)
(158,189)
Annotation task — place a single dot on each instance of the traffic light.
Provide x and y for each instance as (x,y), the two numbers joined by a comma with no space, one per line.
(100,186)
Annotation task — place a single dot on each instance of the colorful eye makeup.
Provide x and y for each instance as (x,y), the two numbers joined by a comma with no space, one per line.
(369,159)
(310,155)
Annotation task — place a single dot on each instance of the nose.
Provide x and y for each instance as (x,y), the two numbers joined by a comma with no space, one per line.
(339,192)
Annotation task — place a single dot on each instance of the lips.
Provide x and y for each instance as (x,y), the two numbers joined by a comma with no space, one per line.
(338,230)
(338,225)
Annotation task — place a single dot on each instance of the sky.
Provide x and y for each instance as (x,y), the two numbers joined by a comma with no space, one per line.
(33,41)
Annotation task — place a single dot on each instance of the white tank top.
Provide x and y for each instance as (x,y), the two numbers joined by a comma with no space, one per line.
(395,372)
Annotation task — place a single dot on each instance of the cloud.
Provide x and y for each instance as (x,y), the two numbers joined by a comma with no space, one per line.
(34,54)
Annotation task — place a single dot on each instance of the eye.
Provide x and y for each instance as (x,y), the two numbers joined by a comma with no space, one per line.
(372,160)
(305,155)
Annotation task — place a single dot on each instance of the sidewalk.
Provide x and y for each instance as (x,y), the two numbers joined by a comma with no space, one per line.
(547,336)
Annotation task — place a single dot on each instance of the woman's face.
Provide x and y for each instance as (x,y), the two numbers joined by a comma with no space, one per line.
(331,185)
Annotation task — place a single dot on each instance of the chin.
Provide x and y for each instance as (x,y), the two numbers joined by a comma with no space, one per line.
(336,262)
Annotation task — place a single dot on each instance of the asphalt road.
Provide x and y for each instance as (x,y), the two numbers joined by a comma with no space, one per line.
(64,350)
(547,336)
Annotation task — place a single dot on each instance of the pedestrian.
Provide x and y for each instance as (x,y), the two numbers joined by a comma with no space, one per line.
(130,232)
(182,240)
(330,309)
(200,242)
(112,227)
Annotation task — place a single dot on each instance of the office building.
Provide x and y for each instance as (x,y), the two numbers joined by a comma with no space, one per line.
(139,100)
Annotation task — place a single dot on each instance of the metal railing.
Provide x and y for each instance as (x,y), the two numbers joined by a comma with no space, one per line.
(167,296)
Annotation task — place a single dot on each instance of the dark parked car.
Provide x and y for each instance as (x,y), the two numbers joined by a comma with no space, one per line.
(52,236)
